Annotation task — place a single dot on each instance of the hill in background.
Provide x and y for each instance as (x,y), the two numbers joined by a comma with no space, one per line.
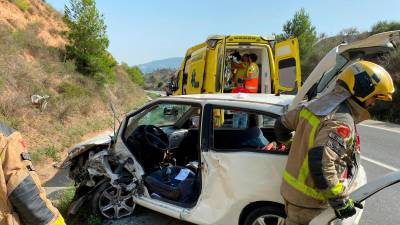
(157,79)
(32,63)
(169,63)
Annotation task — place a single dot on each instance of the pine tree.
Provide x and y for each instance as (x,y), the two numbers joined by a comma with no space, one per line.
(301,28)
(88,41)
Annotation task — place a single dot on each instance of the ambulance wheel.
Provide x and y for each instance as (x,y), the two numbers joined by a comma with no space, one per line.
(265,215)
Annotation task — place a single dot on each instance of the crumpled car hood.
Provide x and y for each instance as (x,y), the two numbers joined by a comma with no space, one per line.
(103,139)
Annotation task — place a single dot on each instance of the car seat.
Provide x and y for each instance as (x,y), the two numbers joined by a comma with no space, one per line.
(173,183)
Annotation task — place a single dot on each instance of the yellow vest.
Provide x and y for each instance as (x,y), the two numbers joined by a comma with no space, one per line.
(242,72)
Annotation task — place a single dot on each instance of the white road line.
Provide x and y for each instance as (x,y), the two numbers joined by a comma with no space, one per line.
(381,128)
(380,164)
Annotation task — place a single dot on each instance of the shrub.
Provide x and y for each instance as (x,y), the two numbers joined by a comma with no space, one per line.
(69,66)
(24,5)
(71,90)
(383,26)
(46,152)
(135,74)
(390,111)
(27,38)
(10,107)
(63,203)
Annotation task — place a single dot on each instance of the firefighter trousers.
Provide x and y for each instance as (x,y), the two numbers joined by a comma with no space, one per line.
(300,216)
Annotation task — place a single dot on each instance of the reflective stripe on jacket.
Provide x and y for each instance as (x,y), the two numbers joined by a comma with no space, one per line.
(252,78)
(22,199)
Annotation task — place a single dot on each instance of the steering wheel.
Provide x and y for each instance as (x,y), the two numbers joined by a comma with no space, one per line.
(155,137)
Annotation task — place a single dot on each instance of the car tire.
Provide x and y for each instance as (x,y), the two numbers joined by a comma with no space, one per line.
(111,203)
(266,215)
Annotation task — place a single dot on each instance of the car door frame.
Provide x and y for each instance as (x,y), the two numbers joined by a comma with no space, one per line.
(212,163)
(121,151)
(121,141)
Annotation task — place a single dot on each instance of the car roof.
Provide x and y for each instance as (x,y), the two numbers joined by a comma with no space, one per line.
(282,100)
(266,102)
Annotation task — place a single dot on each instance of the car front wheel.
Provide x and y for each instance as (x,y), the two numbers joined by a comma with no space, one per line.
(112,202)
(266,216)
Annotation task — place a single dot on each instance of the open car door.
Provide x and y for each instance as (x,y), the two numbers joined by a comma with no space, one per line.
(323,78)
(287,77)
(360,195)
(196,71)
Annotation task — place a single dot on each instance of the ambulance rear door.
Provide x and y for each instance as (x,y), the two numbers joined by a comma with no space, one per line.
(196,71)
(287,77)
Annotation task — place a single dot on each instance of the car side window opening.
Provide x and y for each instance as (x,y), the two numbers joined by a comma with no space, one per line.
(236,129)
(161,128)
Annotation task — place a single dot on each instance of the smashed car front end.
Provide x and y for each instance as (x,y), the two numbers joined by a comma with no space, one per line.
(93,167)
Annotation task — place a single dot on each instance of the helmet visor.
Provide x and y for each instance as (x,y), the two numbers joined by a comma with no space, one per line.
(387,97)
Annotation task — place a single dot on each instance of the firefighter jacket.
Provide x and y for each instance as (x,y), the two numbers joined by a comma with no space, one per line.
(22,199)
(325,149)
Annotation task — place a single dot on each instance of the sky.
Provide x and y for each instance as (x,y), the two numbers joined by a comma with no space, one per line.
(143,31)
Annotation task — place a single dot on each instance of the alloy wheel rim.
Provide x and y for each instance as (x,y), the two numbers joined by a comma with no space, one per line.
(269,220)
(115,203)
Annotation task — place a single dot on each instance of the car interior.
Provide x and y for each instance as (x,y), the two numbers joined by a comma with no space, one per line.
(254,133)
(165,140)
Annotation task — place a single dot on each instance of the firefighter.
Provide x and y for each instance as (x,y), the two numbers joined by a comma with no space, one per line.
(22,199)
(325,148)
(252,74)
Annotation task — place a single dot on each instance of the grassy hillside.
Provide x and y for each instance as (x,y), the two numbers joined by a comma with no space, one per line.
(384,111)
(33,65)
(157,79)
(390,111)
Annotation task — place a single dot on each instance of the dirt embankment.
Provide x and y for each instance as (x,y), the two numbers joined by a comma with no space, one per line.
(37,11)
(32,63)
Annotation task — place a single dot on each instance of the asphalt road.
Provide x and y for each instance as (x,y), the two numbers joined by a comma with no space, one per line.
(382,145)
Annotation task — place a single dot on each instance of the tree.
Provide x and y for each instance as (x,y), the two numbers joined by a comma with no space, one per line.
(350,34)
(383,26)
(135,74)
(87,40)
(300,27)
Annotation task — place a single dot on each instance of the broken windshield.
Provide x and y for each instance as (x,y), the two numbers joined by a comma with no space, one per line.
(163,115)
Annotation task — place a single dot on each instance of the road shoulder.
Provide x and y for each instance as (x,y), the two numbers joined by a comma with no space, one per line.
(382,125)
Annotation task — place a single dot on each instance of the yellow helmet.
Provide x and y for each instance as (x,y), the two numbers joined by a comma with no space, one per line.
(366,79)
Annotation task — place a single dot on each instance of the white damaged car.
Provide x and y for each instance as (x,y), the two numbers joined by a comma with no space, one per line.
(206,159)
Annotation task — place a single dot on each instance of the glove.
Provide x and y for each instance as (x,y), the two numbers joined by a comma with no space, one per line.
(348,209)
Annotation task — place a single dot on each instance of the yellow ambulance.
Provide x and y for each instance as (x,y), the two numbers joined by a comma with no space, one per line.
(207,67)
